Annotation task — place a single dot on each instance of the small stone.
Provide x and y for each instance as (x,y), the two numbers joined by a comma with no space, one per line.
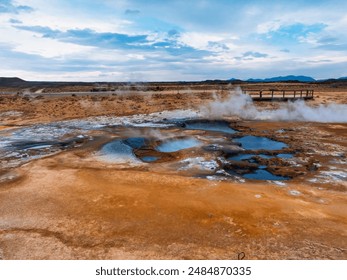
(295,192)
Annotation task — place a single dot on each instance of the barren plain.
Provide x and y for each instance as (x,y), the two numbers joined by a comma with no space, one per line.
(72,187)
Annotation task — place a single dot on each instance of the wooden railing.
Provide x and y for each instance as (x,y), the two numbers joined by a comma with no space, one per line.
(279,95)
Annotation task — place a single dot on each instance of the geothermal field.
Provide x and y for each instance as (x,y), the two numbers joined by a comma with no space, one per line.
(173,171)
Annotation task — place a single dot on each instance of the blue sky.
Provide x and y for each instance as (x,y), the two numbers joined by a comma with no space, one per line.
(133,40)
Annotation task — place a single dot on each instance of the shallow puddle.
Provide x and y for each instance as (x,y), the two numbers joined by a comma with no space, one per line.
(177,145)
(285,155)
(39,147)
(149,158)
(265,156)
(117,152)
(262,174)
(260,143)
(24,146)
(135,142)
(241,157)
(218,126)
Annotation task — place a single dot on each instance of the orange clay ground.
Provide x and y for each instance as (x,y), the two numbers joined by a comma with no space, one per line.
(67,206)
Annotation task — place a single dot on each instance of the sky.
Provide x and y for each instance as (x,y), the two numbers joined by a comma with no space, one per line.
(177,40)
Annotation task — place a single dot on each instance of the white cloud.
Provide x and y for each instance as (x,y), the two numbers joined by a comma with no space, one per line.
(199,40)
(57,15)
(29,43)
(268,26)
(217,32)
(136,56)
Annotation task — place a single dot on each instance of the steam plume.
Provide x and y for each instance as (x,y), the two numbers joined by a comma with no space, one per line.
(241,105)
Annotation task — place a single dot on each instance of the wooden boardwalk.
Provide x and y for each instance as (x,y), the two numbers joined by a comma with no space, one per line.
(280,95)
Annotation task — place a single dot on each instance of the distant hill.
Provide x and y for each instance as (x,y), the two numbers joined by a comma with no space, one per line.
(284,79)
(15,82)
(12,82)
(233,80)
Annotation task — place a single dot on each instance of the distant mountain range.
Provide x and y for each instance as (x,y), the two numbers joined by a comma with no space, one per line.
(284,79)
(20,83)
(291,78)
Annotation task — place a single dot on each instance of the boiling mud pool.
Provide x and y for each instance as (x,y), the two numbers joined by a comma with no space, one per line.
(155,149)
(260,173)
(169,139)
(253,143)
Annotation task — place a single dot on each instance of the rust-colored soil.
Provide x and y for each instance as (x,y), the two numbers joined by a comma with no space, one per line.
(68,206)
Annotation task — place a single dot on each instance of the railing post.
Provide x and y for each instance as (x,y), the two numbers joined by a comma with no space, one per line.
(283,91)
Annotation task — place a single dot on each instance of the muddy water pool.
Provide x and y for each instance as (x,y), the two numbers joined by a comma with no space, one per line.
(178,145)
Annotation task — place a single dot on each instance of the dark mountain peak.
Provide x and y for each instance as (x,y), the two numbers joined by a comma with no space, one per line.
(284,79)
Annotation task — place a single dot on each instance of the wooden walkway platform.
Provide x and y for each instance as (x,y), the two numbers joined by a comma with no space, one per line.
(280,95)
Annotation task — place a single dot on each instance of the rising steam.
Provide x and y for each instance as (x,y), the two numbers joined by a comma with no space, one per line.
(241,105)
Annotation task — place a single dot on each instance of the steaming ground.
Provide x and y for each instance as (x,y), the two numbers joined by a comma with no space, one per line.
(68,204)
(242,105)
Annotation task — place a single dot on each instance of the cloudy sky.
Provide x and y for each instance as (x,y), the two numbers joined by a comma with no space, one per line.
(155,40)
